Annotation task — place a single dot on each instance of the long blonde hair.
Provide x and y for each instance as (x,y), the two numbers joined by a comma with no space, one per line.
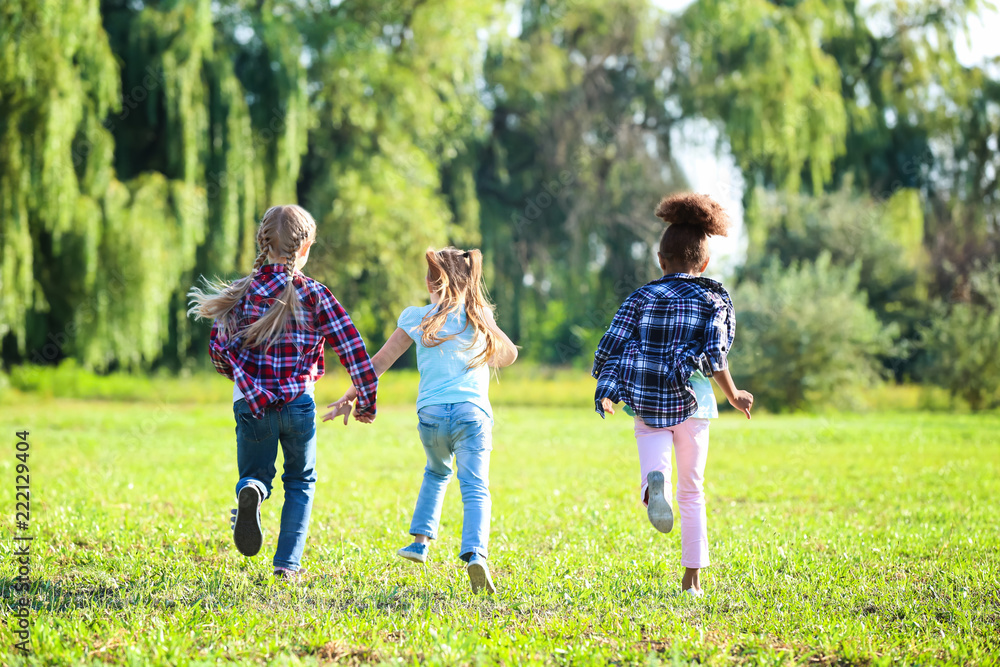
(283,232)
(457,277)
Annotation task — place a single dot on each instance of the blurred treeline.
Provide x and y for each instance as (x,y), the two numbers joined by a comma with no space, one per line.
(141,141)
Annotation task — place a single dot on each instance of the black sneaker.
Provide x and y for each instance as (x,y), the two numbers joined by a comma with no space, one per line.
(246,528)
(658,508)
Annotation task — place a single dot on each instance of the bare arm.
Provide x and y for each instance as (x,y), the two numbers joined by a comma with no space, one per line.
(739,399)
(398,343)
(507,354)
(383,360)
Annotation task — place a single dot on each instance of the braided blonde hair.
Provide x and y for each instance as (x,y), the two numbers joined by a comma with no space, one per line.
(283,232)
(457,277)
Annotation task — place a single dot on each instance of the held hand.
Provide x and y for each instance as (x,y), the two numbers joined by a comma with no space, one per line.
(743,401)
(364,419)
(608,406)
(349,396)
(341,407)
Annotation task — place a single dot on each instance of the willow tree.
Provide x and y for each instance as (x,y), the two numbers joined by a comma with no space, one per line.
(867,101)
(58,81)
(133,179)
(216,111)
(759,70)
(868,95)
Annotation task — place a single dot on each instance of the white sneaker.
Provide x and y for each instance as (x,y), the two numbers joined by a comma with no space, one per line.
(658,508)
(695,593)
(416,552)
(479,575)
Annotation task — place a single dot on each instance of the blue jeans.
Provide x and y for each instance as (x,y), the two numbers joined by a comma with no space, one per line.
(462,430)
(294,426)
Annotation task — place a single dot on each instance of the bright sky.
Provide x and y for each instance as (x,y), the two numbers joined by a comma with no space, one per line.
(716,175)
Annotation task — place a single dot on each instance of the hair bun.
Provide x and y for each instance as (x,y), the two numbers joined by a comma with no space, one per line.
(696,210)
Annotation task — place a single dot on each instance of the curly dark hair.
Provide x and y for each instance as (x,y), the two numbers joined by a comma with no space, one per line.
(690,219)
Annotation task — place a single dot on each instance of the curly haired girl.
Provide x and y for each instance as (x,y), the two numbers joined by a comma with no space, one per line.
(666,339)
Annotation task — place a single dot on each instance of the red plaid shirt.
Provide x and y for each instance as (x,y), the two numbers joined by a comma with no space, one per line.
(279,374)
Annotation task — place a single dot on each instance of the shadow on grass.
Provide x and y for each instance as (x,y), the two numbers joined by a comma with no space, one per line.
(91,588)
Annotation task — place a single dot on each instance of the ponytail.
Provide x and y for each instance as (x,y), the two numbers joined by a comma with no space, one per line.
(457,277)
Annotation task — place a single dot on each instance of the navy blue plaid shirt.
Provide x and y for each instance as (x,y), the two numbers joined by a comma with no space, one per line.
(664,332)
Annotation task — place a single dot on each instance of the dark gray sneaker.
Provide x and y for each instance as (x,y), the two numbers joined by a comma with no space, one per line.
(284,574)
(246,527)
(658,508)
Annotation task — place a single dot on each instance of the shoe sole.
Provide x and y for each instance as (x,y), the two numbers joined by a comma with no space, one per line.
(480,579)
(411,556)
(246,533)
(658,508)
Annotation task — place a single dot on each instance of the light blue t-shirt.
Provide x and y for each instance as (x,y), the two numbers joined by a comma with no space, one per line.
(444,376)
(707,407)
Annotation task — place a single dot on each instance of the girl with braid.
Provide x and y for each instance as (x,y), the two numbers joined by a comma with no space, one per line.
(268,335)
(457,342)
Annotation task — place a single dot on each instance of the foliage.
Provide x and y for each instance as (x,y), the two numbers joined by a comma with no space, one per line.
(805,336)
(390,171)
(883,238)
(759,68)
(871,95)
(48,199)
(848,524)
(577,157)
(121,184)
(141,141)
(942,143)
(960,342)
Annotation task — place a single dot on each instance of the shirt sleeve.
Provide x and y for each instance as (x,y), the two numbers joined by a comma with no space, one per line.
(720,330)
(217,350)
(335,325)
(624,327)
(409,321)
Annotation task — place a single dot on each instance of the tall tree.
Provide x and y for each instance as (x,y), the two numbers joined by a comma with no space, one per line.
(390,171)
(758,68)
(871,95)
(55,163)
(578,156)
(151,173)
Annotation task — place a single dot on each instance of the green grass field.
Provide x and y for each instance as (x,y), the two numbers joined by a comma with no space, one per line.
(849,540)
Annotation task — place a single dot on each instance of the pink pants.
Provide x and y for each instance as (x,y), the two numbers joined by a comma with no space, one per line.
(689,440)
